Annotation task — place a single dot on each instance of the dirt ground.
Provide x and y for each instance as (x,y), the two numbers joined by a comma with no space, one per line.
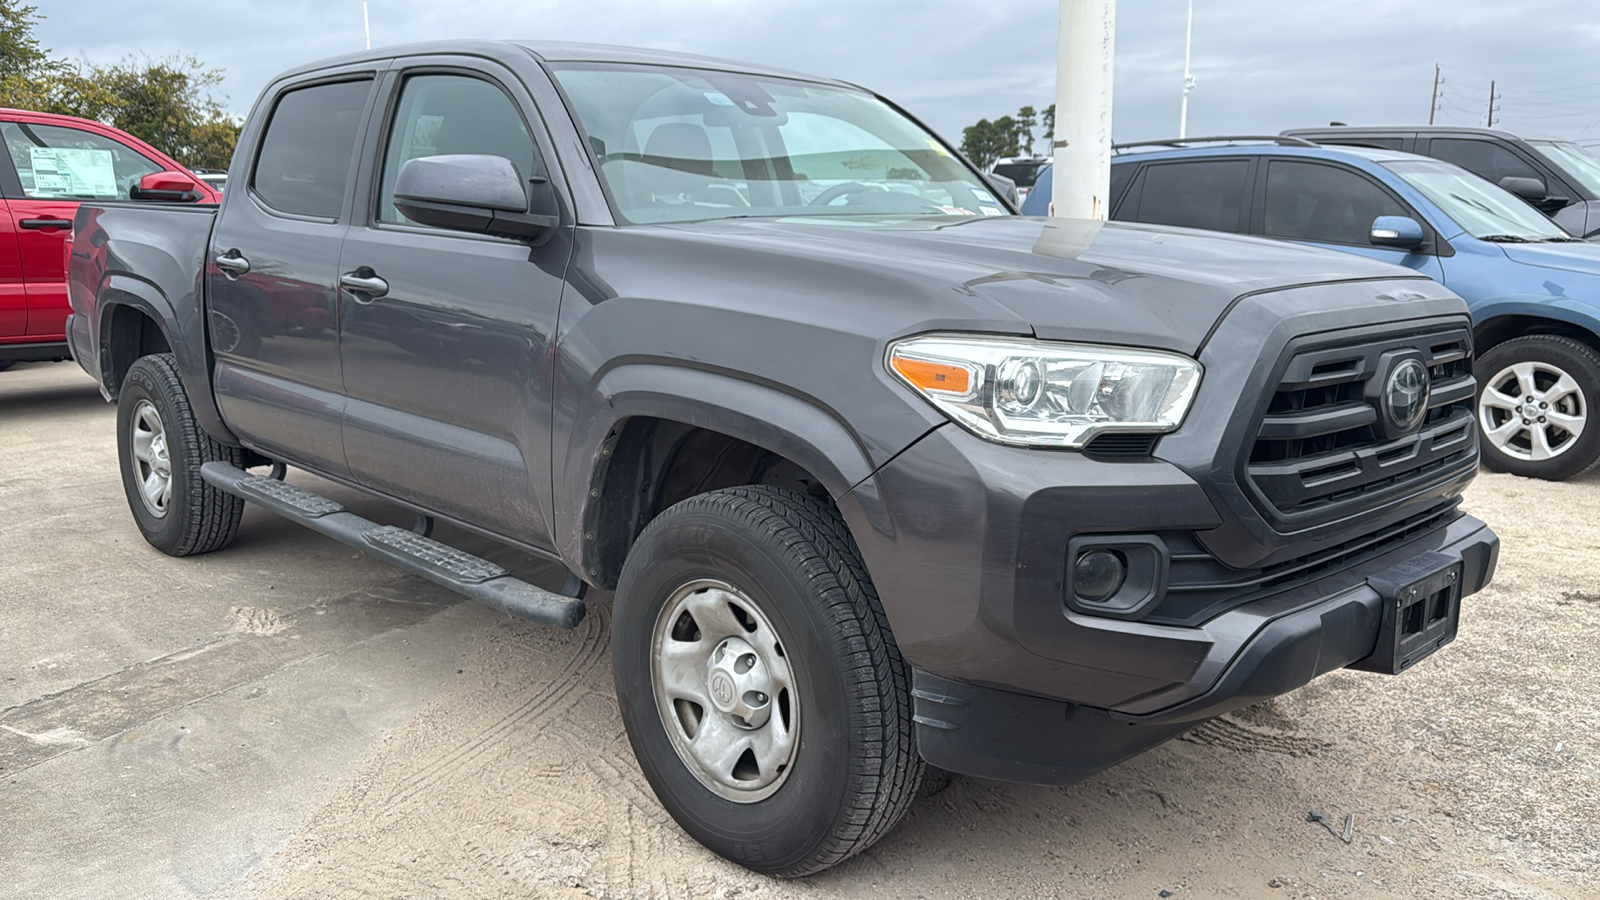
(502,770)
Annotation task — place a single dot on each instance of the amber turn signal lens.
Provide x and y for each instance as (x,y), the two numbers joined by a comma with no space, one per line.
(932,376)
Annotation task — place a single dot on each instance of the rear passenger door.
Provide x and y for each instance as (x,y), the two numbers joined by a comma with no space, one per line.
(272,283)
(1333,206)
(1200,193)
(447,337)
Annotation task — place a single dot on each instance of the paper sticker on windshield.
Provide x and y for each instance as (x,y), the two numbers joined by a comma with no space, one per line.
(937,147)
(984,196)
(956,211)
(992,210)
(70,171)
(718,99)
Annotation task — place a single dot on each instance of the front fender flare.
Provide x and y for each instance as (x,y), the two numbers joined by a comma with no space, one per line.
(797,428)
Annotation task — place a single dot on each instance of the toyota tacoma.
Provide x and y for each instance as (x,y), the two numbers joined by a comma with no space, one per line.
(880,472)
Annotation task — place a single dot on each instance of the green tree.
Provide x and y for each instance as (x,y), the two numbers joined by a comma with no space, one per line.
(984,142)
(168,103)
(1050,124)
(1027,121)
(20,53)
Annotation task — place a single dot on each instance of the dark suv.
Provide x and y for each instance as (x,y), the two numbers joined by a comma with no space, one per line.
(1567,175)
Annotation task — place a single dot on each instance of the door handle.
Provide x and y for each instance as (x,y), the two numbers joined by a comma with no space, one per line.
(45,224)
(232,264)
(364,284)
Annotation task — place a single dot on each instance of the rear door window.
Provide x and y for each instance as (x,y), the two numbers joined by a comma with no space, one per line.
(1308,201)
(1486,159)
(54,162)
(1202,194)
(304,163)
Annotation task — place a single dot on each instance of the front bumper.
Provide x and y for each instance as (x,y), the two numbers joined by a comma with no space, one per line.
(967,552)
(1017,737)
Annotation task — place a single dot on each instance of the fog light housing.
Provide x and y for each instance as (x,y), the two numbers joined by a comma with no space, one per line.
(1099,574)
(1118,576)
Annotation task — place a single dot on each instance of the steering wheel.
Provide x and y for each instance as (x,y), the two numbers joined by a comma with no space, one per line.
(840,190)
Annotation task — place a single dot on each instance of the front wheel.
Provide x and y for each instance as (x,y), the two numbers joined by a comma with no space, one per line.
(162,448)
(762,692)
(1536,397)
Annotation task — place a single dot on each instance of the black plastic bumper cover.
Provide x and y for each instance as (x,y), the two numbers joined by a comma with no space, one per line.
(1001,734)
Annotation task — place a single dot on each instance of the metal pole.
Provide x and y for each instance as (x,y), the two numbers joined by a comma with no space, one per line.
(1081,187)
(1490,123)
(366,24)
(1188,80)
(1433,105)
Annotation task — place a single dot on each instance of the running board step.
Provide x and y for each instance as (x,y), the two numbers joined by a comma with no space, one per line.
(441,564)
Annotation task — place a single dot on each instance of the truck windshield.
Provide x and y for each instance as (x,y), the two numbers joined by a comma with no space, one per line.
(1483,210)
(681,145)
(1582,165)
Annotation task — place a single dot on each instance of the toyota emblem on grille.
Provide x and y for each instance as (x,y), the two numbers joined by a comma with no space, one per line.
(1405,395)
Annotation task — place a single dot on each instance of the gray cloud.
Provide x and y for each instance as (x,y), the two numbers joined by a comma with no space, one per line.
(1262,65)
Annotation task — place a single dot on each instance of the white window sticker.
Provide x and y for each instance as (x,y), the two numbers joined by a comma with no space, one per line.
(70,171)
(984,196)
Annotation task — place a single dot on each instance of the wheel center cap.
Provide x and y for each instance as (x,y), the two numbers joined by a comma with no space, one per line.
(739,684)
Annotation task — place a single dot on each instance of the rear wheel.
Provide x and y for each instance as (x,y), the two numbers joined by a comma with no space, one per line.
(162,448)
(1536,397)
(762,691)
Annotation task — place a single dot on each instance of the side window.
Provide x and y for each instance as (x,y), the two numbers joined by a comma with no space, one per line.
(303,165)
(1119,183)
(58,163)
(447,114)
(1206,194)
(1485,159)
(1331,204)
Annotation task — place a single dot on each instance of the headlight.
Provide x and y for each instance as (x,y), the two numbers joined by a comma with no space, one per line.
(1045,393)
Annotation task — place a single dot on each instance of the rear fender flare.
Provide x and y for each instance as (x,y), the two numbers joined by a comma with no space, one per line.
(188,345)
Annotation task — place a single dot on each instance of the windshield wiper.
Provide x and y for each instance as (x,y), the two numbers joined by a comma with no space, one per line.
(1506,239)
(1565,240)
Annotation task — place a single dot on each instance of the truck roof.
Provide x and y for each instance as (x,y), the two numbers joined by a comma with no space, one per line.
(555,51)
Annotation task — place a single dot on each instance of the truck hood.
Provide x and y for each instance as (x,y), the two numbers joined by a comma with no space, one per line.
(1108,282)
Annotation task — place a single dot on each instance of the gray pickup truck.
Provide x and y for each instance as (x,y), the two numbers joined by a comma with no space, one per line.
(879,471)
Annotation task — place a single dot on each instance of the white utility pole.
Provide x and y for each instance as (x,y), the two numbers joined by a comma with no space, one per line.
(1081,187)
(1188,80)
(366,24)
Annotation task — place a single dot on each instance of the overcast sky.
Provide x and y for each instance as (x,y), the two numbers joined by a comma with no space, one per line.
(1261,65)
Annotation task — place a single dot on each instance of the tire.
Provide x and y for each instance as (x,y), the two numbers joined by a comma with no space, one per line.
(1536,407)
(777,568)
(161,448)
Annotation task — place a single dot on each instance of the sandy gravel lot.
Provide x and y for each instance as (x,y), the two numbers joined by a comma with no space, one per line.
(429,748)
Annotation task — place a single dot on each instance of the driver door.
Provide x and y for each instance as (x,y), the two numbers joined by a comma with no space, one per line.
(1330,205)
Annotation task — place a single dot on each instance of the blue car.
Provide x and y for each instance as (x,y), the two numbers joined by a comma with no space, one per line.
(1533,288)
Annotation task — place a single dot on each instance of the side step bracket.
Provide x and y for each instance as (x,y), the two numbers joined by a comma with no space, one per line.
(418,554)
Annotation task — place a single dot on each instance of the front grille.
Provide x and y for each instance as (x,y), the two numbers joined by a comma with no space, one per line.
(1199,586)
(1323,449)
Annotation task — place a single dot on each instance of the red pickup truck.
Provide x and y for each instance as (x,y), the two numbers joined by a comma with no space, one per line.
(52,164)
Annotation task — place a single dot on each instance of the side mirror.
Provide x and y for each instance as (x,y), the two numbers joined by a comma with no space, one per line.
(172,187)
(1529,189)
(473,192)
(1399,232)
(1003,186)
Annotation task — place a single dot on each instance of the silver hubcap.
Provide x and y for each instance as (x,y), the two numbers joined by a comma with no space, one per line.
(151,464)
(725,691)
(1532,411)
